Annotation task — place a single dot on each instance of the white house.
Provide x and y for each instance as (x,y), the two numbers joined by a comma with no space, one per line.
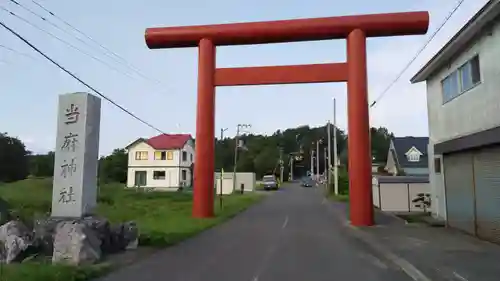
(163,162)
(463,100)
(409,155)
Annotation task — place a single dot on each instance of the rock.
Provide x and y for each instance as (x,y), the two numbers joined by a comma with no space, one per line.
(131,235)
(15,237)
(101,226)
(44,230)
(118,242)
(76,243)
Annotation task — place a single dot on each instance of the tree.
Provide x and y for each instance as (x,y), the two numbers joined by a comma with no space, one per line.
(113,168)
(262,154)
(41,165)
(13,159)
(380,140)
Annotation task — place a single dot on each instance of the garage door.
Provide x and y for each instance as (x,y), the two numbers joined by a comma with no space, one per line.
(487,179)
(459,182)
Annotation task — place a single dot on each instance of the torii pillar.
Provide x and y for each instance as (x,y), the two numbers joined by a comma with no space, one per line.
(354,28)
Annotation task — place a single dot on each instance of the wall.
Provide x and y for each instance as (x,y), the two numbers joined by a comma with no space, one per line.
(475,110)
(397,197)
(436,181)
(248,179)
(171,181)
(416,171)
(171,167)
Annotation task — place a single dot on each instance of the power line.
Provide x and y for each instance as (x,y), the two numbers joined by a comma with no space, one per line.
(77,78)
(56,26)
(63,41)
(107,50)
(416,55)
(17,52)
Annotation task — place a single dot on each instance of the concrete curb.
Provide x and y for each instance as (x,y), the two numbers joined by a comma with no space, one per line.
(368,239)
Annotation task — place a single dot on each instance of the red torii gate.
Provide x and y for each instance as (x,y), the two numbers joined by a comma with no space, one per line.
(355,28)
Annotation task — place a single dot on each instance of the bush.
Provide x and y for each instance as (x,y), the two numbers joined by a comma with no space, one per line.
(343,183)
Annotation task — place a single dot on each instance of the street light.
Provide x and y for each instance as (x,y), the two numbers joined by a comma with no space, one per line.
(236,146)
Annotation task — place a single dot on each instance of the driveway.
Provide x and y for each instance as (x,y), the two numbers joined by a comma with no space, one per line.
(290,236)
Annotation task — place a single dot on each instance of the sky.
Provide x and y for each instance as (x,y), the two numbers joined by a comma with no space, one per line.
(166,95)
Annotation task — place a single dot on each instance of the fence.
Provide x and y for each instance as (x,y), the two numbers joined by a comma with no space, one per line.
(401,193)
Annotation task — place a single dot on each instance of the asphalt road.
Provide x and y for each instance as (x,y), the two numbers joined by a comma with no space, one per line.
(290,236)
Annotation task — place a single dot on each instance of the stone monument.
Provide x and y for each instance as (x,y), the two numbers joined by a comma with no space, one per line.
(74,192)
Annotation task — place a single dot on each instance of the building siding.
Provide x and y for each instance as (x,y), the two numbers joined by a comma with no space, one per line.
(416,171)
(475,110)
(173,168)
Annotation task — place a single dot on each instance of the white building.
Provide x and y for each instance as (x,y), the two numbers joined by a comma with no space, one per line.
(463,99)
(164,162)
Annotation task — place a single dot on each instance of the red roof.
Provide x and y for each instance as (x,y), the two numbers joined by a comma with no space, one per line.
(167,141)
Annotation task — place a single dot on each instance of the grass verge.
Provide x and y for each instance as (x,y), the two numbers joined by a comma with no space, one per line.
(339,197)
(163,218)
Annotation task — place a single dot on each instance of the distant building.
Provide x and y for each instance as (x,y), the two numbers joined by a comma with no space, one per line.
(163,162)
(463,100)
(408,156)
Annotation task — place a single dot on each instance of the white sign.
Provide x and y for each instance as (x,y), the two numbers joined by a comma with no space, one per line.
(74,192)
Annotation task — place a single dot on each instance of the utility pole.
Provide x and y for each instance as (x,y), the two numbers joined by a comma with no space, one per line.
(236,146)
(281,165)
(222,130)
(335,155)
(326,159)
(312,162)
(329,174)
(317,158)
(291,166)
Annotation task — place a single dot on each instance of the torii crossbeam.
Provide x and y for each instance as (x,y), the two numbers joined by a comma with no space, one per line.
(355,28)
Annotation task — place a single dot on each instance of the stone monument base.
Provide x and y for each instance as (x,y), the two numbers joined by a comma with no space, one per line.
(68,240)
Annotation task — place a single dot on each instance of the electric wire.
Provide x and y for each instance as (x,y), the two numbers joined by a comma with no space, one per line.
(384,92)
(107,50)
(64,42)
(74,76)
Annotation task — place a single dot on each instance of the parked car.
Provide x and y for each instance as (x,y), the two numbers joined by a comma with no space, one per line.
(270,182)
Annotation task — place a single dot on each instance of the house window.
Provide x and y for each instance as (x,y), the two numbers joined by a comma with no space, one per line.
(437,165)
(141,155)
(159,175)
(170,155)
(184,156)
(461,80)
(160,155)
(413,157)
(184,175)
(191,157)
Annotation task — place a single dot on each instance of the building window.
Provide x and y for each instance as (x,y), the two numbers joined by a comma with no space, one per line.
(184,156)
(191,157)
(159,175)
(141,155)
(437,165)
(170,155)
(413,157)
(461,80)
(184,175)
(160,155)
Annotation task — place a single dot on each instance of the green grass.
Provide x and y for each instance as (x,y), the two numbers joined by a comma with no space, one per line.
(340,197)
(414,218)
(163,218)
